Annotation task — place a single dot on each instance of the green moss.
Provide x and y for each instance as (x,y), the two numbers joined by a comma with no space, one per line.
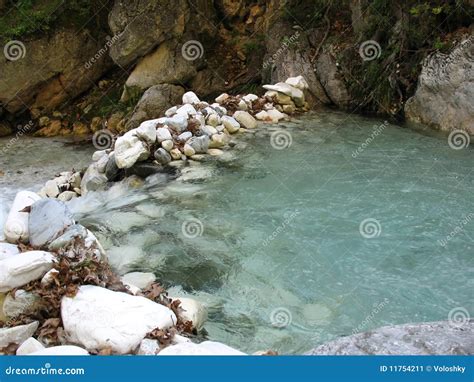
(26,17)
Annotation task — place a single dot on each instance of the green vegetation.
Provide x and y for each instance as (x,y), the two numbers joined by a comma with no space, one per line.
(20,18)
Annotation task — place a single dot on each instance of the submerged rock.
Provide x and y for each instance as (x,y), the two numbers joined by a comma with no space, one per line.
(48,219)
(139,279)
(433,338)
(98,318)
(17,271)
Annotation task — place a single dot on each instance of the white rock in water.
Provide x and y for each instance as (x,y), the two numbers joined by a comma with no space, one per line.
(147,131)
(167,145)
(222,98)
(129,149)
(17,271)
(275,115)
(123,257)
(192,311)
(99,318)
(175,154)
(139,279)
(187,110)
(17,334)
(163,134)
(245,119)
(295,93)
(218,140)
(31,345)
(51,188)
(298,82)
(249,98)
(262,115)
(61,350)
(7,250)
(204,348)
(16,225)
(215,152)
(230,124)
(190,97)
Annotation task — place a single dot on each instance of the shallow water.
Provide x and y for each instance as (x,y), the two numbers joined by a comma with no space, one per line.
(271,240)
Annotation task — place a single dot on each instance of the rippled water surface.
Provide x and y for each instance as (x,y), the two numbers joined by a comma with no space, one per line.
(271,239)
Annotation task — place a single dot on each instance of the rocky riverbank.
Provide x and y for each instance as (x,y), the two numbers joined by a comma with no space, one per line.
(58,293)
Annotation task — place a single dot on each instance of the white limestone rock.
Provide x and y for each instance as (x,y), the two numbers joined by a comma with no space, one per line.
(139,279)
(230,123)
(190,97)
(17,334)
(8,250)
(298,82)
(204,348)
(99,318)
(192,311)
(17,271)
(16,225)
(245,119)
(31,345)
(61,350)
(128,150)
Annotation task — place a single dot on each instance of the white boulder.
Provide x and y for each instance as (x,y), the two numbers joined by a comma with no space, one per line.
(17,271)
(61,350)
(245,119)
(139,279)
(7,250)
(163,134)
(178,122)
(204,348)
(295,93)
(298,82)
(147,131)
(16,225)
(230,123)
(31,345)
(190,97)
(192,310)
(99,318)
(129,149)
(276,115)
(17,334)
(222,98)
(262,116)
(249,98)
(187,110)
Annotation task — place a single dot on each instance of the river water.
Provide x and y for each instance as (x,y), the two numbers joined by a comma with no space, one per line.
(292,246)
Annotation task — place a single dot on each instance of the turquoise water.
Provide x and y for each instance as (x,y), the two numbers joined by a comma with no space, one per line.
(271,240)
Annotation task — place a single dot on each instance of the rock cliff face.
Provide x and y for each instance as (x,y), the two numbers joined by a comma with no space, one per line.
(444,98)
(233,46)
